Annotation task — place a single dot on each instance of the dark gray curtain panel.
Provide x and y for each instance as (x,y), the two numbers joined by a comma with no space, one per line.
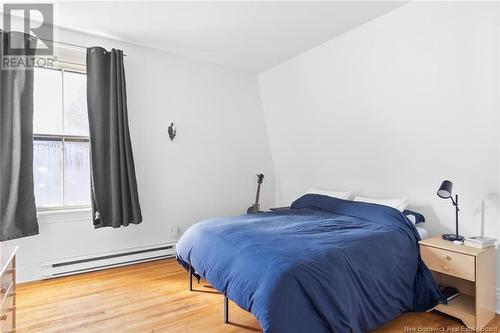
(115,201)
(17,199)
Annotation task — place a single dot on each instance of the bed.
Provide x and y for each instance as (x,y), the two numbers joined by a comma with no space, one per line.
(325,265)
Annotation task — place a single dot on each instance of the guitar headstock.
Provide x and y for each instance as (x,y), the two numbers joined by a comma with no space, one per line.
(260,178)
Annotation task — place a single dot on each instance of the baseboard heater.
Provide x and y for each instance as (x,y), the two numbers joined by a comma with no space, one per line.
(77,265)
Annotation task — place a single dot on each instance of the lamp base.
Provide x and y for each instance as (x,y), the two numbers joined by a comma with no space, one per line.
(453,237)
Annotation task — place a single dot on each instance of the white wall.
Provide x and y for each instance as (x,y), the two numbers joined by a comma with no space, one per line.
(208,171)
(392,108)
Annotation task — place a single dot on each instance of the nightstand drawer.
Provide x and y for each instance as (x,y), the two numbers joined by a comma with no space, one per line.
(7,313)
(447,262)
(7,277)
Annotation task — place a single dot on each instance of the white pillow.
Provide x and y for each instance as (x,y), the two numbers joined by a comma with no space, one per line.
(399,204)
(412,219)
(334,194)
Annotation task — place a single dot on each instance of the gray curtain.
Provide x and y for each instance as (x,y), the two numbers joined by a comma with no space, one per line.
(115,201)
(17,199)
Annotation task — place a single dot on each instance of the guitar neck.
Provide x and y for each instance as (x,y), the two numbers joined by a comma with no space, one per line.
(257,196)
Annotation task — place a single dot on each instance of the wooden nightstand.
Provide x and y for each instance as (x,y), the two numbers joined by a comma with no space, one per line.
(471,271)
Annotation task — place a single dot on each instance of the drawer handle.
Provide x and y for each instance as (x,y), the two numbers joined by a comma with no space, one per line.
(3,290)
(3,317)
(12,270)
(446,257)
(12,293)
(11,309)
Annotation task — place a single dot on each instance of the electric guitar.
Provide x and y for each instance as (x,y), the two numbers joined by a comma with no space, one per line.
(255,208)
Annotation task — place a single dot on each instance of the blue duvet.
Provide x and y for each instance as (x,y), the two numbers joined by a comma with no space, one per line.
(326,265)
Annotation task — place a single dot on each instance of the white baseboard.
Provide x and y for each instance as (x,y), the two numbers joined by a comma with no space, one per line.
(28,273)
(44,270)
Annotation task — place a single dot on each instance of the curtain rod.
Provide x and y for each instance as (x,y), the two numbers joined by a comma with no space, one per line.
(68,44)
(63,43)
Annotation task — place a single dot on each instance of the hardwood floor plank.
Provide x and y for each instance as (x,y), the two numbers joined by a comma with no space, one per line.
(153,297)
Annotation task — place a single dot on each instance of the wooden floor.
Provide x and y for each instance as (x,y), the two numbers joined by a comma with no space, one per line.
(154,297)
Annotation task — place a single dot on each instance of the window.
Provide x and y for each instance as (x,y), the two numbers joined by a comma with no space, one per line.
(61,165)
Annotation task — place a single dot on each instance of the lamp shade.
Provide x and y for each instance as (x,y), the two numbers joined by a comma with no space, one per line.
(445,189)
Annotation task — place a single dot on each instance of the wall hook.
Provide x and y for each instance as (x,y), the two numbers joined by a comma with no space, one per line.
(172,131)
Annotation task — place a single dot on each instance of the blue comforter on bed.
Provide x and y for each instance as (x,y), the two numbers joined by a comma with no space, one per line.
(326,265)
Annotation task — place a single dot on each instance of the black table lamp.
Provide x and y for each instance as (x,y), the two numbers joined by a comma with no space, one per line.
(445,193)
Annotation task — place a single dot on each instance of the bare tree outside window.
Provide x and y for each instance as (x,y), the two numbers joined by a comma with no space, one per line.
(61,140)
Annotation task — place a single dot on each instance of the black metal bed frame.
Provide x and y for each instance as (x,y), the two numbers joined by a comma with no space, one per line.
(226,301)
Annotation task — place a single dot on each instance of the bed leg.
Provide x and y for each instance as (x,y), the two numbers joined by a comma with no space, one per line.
(190,279)
(226,310)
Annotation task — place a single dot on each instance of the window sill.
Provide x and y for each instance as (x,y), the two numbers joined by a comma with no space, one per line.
(64,215)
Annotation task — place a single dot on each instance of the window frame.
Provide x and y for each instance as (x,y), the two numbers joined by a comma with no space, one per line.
(62,138)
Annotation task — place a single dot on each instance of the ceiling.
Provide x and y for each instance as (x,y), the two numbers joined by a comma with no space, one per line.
(250,36)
